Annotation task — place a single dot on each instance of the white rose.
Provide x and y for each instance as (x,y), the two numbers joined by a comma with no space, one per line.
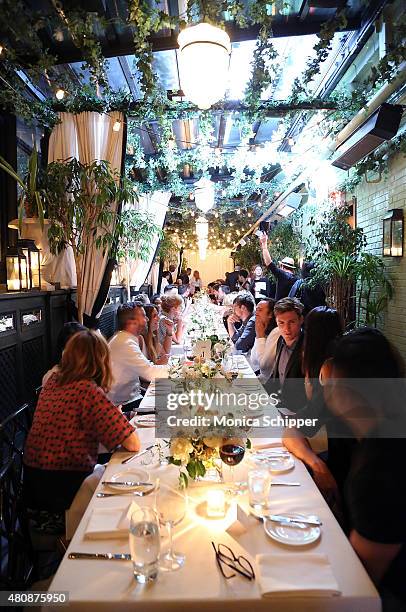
(180,449)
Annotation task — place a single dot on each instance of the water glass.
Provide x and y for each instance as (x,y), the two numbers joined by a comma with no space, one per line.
(144,544)
(259,489)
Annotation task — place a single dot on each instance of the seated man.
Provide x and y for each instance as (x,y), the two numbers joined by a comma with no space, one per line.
(128,361)
(243,311)
(287,378)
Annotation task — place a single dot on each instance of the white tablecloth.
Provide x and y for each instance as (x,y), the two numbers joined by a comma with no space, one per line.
(199,586)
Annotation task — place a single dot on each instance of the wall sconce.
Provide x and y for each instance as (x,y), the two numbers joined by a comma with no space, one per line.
(16,265)
(393,233)
(33,259)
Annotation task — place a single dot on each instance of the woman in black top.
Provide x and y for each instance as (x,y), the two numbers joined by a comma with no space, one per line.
(366,390)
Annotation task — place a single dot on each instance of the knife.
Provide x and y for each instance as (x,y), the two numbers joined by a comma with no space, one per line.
(127,483)
(278,518)
(284,484)
(103,556)
(138,454)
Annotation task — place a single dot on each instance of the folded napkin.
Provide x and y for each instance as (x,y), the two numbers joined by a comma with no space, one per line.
(261,443)
(107,523)
(302,574)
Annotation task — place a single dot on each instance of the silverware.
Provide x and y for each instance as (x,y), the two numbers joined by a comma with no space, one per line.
(286,520)
(127,483)
(138,454)
(135,493)
(103,556)
(279,483)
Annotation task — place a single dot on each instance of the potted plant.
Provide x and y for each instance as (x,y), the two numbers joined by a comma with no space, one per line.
(80,200)
(31,198)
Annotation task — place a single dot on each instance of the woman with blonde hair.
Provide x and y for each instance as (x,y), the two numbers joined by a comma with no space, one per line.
(73,416)
(171,321)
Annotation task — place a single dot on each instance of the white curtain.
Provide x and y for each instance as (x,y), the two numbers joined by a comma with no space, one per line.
(89,136)
(156,205)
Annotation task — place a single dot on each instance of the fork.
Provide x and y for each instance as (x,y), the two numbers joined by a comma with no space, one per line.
(133,493)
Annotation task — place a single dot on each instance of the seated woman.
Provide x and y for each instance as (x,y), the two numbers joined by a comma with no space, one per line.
(148,340)
(267,334)
(68,330)
(366,390)
(73,416)
(172,312)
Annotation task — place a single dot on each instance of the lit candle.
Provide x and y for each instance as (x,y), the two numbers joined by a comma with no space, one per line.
(215,503)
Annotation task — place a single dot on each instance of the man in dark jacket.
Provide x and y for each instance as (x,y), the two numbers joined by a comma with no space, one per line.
(287,378)
(283,273)
(232,278)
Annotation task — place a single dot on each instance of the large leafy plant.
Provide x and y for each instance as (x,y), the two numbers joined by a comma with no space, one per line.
(83,201)
(31,196)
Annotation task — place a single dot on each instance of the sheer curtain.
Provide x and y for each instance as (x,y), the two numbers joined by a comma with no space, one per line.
(156,205)
(89,136)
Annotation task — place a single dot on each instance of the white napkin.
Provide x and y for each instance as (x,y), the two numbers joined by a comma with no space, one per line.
(263,443)
(107,523)
(302,574)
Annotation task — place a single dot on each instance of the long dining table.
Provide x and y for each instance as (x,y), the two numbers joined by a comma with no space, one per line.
(198,585)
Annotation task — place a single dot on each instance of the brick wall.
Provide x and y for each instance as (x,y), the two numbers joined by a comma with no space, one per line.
(373,201)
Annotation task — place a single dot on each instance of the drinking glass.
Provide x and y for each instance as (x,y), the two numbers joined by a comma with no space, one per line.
(259,488)
(232,453)
(171,508)
(144,544)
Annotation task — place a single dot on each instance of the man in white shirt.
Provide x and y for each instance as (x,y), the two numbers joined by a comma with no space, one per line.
(127,360)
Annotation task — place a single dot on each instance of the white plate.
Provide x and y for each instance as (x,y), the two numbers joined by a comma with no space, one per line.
(133,475)
(294,536)
(145,420)
(277,465)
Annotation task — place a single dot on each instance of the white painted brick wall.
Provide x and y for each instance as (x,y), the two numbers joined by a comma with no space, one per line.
(373,201)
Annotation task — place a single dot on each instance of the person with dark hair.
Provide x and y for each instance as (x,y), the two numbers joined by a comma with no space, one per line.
(284,273)
(72,417)
(287,374)
(267,335)
(214,289)
(244,280)
(366,390)
(172,274)
(244,312)
(185,276)
(148,339)
(232,278)
(322,327)
(166,280)
(260,285)
(67,331)
(157,301)
(129,364)
(310,296)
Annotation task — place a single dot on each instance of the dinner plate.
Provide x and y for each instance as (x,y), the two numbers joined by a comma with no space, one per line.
(130,475)
(277,465)
(145,420)
(293,536)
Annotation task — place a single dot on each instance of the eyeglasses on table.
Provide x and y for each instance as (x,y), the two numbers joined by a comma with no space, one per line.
(227,560)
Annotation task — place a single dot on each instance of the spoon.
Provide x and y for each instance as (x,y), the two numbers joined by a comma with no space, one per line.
(136,493)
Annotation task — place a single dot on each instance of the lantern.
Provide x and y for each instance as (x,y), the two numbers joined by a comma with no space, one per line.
(393,233)
(204,57)
(32,256)
(204,194)
(17,273)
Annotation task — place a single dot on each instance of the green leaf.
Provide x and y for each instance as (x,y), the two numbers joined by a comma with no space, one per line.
(183,480)
(192,468)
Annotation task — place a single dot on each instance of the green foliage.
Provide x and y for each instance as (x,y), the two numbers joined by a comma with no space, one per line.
(168,250)
(375,289)
(82,200)
(249,255)
(342,267)
(284,241)
(31,198)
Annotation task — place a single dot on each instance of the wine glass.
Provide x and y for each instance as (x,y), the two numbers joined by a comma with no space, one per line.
(171,507)
(232,453)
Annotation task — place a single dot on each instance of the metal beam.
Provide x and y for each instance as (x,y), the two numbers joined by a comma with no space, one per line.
(290,27)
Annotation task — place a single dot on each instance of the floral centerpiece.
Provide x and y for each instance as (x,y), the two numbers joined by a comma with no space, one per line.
(198,454)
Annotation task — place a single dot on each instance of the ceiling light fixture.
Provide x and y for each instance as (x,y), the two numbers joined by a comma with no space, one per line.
(204,57)
(117,126)
(60,94)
